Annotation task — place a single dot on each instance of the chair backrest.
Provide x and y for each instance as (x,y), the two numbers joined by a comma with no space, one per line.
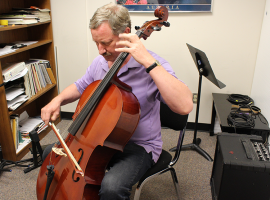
(177,122)
(170,119)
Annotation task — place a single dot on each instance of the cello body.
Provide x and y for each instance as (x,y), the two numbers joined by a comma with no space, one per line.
(105,119)
(107,131)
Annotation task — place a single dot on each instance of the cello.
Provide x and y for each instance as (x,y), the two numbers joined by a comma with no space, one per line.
(75,167)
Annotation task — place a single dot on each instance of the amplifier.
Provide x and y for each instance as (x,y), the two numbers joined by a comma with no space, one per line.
(241,168)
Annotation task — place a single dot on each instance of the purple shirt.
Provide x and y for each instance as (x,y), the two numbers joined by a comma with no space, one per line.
(148,132)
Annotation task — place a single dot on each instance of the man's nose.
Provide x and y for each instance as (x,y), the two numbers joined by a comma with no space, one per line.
(101,49)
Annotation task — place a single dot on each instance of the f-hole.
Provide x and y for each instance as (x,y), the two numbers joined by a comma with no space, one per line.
(77,179)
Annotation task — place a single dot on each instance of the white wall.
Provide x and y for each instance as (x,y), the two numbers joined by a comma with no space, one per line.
(70,26)
(229,36)
(261,83)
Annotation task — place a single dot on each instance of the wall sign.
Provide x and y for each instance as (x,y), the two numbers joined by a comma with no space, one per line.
(171,5)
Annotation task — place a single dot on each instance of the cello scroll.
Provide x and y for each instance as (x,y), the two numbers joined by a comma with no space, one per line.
(155,25)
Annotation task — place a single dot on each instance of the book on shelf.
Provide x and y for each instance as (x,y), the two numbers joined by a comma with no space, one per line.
(37,77)
(20,21)
(12,47)
(14,130)
(42,14)
(41,72)
(26,15)
(50,74)
(17,138)
(40,75)
(47,70)
(30,79)
(10,70)
(6,50)
(32,9)
(16,83)
(18,101)
(28,124)
(19,17)
(15,93)
(34,79)
(27,86)
(35,74)
(25,42)
(18,14)
(18,76)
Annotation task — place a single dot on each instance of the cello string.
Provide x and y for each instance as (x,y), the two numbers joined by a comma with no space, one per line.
(63,135)
(116,65)
(65,131)
(97,93)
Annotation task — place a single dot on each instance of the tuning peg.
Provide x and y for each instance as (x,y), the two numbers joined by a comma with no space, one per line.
(165,23)
(156,28)
(137,27)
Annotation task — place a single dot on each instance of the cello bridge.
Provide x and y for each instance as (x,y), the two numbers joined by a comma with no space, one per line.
(59,151)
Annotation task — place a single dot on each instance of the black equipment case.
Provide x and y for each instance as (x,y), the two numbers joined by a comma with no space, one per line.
(241,168)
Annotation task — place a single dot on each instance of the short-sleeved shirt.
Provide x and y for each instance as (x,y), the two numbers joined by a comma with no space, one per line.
(148,131)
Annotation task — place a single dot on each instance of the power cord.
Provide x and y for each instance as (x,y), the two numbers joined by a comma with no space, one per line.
(240,120)
(237,99)
(2,84)
(244,116)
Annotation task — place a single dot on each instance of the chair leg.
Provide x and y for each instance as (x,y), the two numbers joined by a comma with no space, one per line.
(175,182)
(139,188)
(141,184)
(137,193)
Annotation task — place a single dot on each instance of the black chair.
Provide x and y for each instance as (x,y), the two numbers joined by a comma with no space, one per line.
(165,163)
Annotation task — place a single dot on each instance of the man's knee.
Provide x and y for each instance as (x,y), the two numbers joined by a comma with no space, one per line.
(112,188)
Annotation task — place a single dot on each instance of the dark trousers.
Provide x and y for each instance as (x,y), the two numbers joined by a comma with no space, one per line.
(124,170)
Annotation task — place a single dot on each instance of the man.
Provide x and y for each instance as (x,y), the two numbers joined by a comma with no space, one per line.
(110,28)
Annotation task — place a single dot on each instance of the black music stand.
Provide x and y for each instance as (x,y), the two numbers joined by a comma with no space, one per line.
(204,68)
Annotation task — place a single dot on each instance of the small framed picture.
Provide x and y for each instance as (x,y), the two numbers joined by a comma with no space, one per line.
(171,5)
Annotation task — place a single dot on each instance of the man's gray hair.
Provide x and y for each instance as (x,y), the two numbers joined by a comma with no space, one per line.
(116,15)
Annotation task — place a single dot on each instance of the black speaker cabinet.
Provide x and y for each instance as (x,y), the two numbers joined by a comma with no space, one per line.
(241,168)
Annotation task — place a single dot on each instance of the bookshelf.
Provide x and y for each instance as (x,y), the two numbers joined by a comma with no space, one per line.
(43,49)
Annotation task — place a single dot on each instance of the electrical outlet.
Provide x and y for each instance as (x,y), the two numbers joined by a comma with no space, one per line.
(195,97)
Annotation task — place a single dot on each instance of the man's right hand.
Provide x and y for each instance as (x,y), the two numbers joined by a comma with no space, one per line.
(51,111)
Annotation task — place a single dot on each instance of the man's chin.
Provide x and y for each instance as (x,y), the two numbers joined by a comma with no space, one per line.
(108,58)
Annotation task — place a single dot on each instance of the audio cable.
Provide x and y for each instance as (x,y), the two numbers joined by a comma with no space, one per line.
(237,99)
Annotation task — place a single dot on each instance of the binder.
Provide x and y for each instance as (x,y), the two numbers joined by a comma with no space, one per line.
(12,69)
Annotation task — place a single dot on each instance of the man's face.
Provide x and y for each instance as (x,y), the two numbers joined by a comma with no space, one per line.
(105,41)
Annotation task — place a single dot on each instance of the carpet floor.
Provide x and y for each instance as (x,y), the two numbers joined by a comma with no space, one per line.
(192,169)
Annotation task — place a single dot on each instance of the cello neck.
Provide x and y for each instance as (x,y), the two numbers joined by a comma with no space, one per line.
(98,93)
(144,32)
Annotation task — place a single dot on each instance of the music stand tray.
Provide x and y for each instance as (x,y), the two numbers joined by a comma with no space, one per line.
(208,72)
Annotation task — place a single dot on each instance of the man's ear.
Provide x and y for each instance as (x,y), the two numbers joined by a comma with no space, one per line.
(127,30)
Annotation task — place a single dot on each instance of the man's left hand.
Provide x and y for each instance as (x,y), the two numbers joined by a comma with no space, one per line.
(135,48)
